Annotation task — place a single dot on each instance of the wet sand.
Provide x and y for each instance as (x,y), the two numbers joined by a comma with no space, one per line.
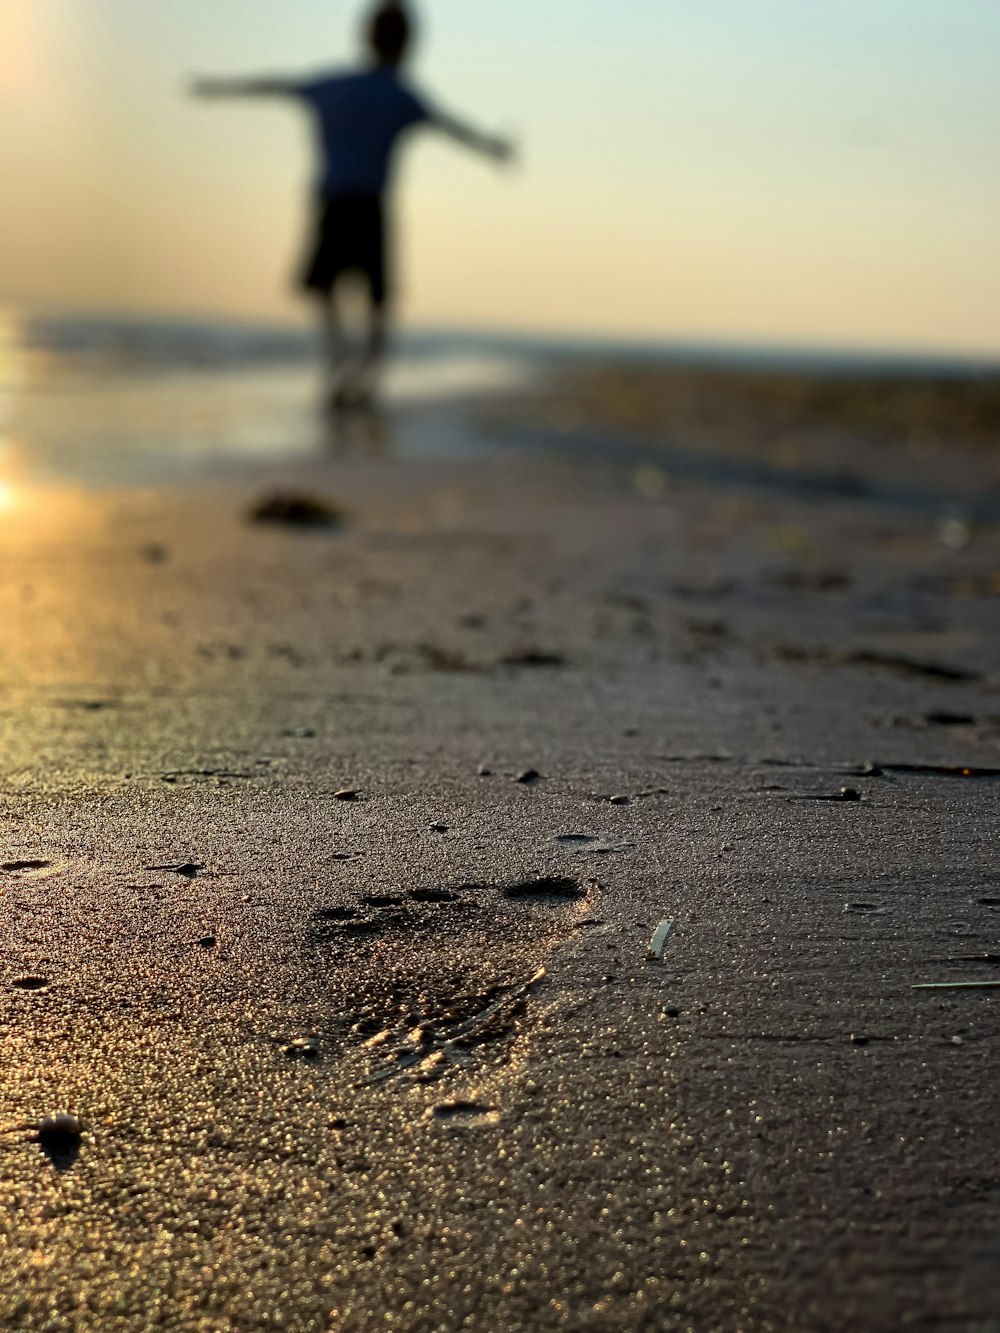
(357,1013)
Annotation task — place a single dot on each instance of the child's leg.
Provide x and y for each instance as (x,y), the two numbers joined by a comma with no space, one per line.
(376,346)
(337,349)
(332,331)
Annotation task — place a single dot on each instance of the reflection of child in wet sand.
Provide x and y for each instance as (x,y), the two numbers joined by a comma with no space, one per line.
(360,116)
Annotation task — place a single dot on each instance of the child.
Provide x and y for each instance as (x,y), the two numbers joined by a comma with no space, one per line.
(360,117)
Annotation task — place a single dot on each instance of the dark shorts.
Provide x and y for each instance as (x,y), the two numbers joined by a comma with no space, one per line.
(350,238)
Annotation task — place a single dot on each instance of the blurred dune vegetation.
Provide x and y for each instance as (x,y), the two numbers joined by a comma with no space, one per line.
(925,412)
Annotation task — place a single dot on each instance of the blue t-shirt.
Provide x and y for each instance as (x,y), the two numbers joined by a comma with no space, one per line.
(359,117)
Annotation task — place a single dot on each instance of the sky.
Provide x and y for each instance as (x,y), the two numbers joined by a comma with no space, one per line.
(782,171)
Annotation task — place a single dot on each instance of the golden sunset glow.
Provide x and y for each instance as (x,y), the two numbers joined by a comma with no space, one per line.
(680,176)
(18,65)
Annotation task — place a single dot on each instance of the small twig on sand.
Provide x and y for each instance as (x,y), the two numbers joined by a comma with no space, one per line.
(958,985)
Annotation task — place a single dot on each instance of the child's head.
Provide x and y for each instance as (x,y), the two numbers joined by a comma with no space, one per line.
(389,32)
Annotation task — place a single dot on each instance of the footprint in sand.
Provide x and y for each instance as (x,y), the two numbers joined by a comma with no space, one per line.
(421,981)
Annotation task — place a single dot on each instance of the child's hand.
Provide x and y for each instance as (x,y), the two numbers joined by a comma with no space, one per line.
(504,150)
(262,87)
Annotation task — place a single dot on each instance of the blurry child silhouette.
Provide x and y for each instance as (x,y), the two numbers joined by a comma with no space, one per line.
(360,116)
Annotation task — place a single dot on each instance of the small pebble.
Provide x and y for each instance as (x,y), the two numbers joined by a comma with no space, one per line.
(60,1131)
(460,1109)
(346,794)
(619,800)
(302,1048)
(850,794)
(956,1041)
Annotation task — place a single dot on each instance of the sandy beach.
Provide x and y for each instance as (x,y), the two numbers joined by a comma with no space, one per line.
(332,857)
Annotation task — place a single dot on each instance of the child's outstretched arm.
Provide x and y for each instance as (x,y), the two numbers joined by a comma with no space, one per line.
(501,150)
(261,87)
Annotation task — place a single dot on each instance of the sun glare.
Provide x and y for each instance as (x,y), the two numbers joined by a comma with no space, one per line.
(18,62)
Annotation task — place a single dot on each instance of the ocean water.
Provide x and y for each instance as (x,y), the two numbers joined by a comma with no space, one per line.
(130,401)
(144,401)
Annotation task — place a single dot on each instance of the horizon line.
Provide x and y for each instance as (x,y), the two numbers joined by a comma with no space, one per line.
(719,346)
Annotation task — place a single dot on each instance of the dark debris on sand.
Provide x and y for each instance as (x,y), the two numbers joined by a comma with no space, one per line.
(297,510)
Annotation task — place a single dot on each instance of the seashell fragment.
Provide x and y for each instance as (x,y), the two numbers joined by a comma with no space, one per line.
(658,942)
